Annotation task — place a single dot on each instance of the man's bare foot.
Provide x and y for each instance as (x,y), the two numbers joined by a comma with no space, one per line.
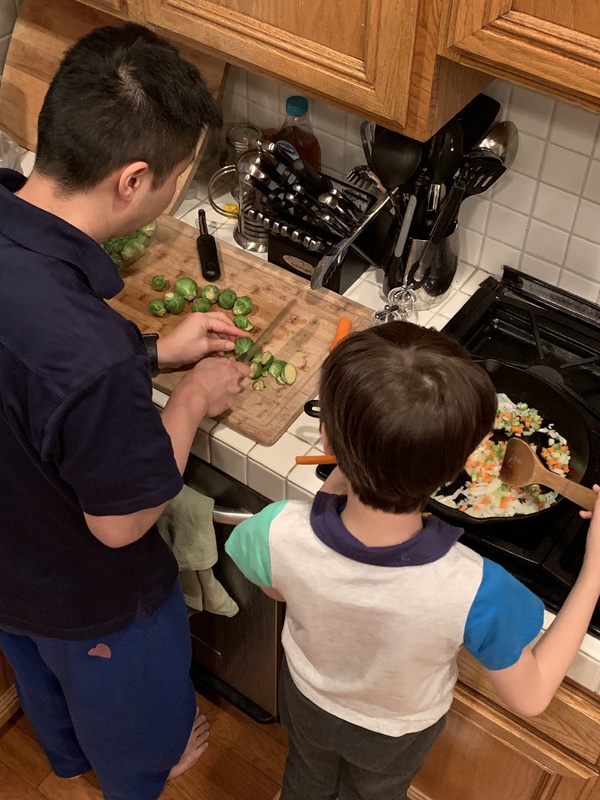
(196,746)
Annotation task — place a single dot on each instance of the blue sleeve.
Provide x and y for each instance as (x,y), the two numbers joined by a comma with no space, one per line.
(248,545)
(504,618)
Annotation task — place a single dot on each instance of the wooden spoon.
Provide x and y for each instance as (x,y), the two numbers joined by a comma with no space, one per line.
(522,467)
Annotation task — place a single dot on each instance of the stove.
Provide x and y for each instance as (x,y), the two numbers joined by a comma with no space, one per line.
(524,322)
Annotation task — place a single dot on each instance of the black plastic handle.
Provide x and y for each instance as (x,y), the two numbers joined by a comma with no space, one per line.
(209,258)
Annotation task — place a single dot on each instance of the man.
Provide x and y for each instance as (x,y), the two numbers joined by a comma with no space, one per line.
(92,619)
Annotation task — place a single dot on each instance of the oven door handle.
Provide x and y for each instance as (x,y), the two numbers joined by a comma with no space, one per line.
(230,516)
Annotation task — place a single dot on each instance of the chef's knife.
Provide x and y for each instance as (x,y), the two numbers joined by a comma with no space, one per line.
(207,251)
(275,322)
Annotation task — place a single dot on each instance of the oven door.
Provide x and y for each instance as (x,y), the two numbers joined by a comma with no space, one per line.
(238,657)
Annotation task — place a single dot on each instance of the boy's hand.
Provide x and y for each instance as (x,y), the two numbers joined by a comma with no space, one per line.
(592,548)
(199,335)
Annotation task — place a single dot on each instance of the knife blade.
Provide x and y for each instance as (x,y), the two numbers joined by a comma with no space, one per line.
(275,322)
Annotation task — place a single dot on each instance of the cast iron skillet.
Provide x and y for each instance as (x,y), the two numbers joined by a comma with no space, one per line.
(524,387)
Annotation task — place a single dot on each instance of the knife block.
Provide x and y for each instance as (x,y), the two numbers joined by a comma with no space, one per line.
(297,259)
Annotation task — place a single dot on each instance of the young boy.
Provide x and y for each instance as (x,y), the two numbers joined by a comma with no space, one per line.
(379,598)
(92,619)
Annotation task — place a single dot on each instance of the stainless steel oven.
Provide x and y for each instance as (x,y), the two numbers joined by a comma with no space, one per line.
(237,657)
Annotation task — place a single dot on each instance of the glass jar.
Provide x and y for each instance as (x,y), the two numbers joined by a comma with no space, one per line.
(406,301)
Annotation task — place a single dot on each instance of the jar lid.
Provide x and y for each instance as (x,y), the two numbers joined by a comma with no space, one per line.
(243,136)
(296,105)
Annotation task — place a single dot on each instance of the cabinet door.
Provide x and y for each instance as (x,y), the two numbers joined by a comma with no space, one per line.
(552,46)
(484,755)
(359,52)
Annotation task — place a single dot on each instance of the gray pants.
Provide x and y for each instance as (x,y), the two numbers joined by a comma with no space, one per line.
(330,758)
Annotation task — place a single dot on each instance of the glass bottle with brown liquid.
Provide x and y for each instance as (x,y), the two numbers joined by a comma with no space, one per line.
(298,131)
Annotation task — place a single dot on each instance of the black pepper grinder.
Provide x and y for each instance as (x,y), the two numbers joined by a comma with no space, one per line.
(207,251)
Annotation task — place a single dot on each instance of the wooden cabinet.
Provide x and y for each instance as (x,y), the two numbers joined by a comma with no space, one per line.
(485,752)
(553,46)
(8,694)
(376,58)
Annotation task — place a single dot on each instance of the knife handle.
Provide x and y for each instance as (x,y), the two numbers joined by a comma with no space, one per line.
(207,251)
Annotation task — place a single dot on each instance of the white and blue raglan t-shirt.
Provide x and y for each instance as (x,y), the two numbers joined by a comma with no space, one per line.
(371,633)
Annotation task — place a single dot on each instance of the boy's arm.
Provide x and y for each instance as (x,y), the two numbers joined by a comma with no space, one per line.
(249,548)
(528,685)
(274,595)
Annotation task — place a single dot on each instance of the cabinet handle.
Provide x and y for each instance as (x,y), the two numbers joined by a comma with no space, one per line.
(230,516)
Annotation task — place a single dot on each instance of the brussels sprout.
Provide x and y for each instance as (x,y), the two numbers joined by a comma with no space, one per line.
(150,229)
(242,345)
(243,305)
(210,293)
(227,299)
(276,367)
(242,322)
(255,370)
(186,287)
(174,303)
(157,308)
(132,250)
(200,304)
(288,373)
(259,385)
(266,359)
(158,283)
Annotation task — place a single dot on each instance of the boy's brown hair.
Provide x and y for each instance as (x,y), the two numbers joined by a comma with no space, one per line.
(403,407)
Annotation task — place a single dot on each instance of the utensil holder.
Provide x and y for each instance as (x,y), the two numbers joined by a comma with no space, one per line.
(442,270)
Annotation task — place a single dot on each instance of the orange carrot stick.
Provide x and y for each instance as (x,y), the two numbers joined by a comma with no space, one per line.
(316,460)
(343,329)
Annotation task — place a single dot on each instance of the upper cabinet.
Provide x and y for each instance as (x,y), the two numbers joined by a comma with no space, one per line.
(376,58)
(553,46)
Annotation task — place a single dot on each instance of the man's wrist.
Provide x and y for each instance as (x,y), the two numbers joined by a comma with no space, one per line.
(150,340)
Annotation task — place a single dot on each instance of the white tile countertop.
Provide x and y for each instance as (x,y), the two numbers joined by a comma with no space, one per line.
(272,471)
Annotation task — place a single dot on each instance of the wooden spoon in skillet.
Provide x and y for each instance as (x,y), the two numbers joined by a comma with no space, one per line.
(522,467)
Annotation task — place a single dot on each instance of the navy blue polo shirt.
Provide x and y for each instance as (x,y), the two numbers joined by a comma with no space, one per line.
(78,432)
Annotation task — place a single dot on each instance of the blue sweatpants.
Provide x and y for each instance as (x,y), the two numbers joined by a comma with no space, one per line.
(122,705)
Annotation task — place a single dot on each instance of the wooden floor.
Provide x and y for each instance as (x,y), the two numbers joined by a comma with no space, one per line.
(243,762)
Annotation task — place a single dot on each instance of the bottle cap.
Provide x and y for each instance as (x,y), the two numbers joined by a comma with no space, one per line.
(296,105)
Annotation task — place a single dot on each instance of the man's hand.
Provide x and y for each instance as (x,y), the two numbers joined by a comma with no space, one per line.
(211,386)
(199,335)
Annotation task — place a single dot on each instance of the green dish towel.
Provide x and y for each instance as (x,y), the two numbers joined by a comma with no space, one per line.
(187,527)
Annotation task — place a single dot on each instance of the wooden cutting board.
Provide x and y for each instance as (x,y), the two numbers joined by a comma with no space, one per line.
(303,338)
(43,31)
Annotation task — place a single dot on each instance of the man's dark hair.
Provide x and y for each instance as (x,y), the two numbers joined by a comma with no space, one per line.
(403,407)
(121,94)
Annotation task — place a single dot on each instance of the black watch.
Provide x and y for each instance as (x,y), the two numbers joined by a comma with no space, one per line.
(150,340)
